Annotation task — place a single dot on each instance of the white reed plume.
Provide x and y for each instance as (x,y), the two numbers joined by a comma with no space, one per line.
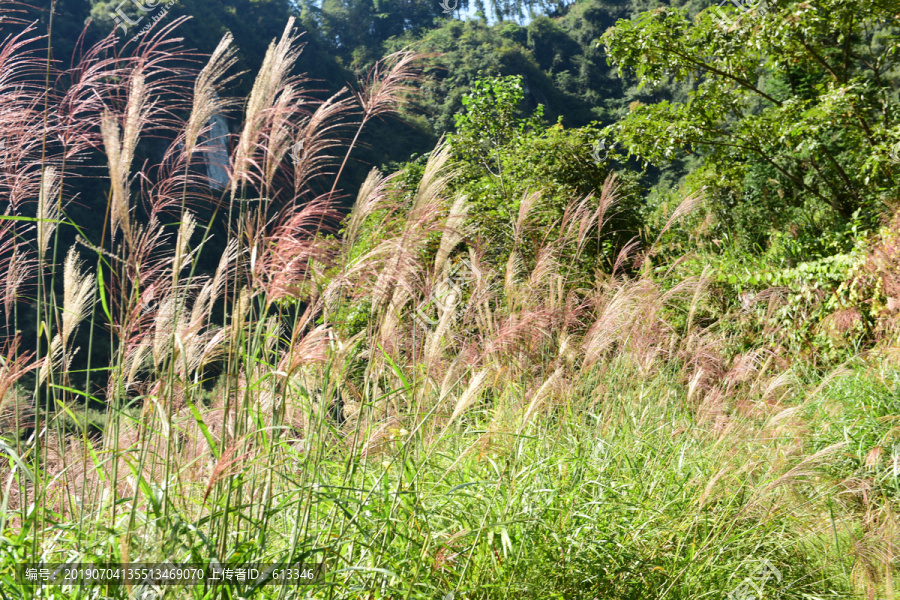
(185,231)
(525,206)
(48,210)
(453,233)
(691,202)
(280,138)
(207,102)
(54,360)
(539,396)
(78,289)
(371,194)
(210,291)
(470,395)
(272,77)
(433,182)
(164,326)
(120,146)
(433,343)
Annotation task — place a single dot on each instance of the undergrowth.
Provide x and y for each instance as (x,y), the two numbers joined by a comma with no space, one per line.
(388,406)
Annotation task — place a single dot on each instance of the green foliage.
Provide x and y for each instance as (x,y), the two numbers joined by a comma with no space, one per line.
(792,109)
(817,312)
(490,136)
(557,58)
(356,29)
(503,156)
(861,409)
(465,52)
(489,121)
(600,445)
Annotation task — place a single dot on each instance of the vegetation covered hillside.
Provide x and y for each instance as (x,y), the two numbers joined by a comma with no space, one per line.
(601,303)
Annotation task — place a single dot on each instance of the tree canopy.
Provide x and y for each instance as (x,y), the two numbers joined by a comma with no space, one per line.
(793,109)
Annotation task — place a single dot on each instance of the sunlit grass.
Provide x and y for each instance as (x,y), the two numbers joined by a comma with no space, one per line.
(551,434)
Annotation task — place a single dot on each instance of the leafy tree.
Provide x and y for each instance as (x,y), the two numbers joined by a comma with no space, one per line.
(464,52)
(793,110)
(253,23)
(490,121)
(356,30)
(558,58)
(504,155)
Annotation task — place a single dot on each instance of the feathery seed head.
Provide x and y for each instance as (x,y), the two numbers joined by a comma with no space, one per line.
(48,211)
(78,288)
(207,102)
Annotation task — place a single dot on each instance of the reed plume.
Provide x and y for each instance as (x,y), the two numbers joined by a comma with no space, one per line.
(210,82)
(390,83)
(78,290)
(48,211)
(120,144)
(470,395)
(272,79)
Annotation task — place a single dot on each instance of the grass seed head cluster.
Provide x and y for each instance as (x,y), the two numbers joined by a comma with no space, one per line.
(309,398)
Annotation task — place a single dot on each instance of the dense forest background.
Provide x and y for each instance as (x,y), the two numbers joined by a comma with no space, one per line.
(553,47)
(781,120)
(821,81)
(500,299)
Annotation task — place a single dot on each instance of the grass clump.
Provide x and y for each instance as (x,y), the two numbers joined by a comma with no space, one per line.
(519,430)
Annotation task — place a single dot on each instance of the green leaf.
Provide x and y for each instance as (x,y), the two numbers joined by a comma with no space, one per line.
(203,428)
(5,448)
(101,288)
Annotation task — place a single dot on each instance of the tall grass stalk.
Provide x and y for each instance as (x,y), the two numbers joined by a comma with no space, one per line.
(552,433)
